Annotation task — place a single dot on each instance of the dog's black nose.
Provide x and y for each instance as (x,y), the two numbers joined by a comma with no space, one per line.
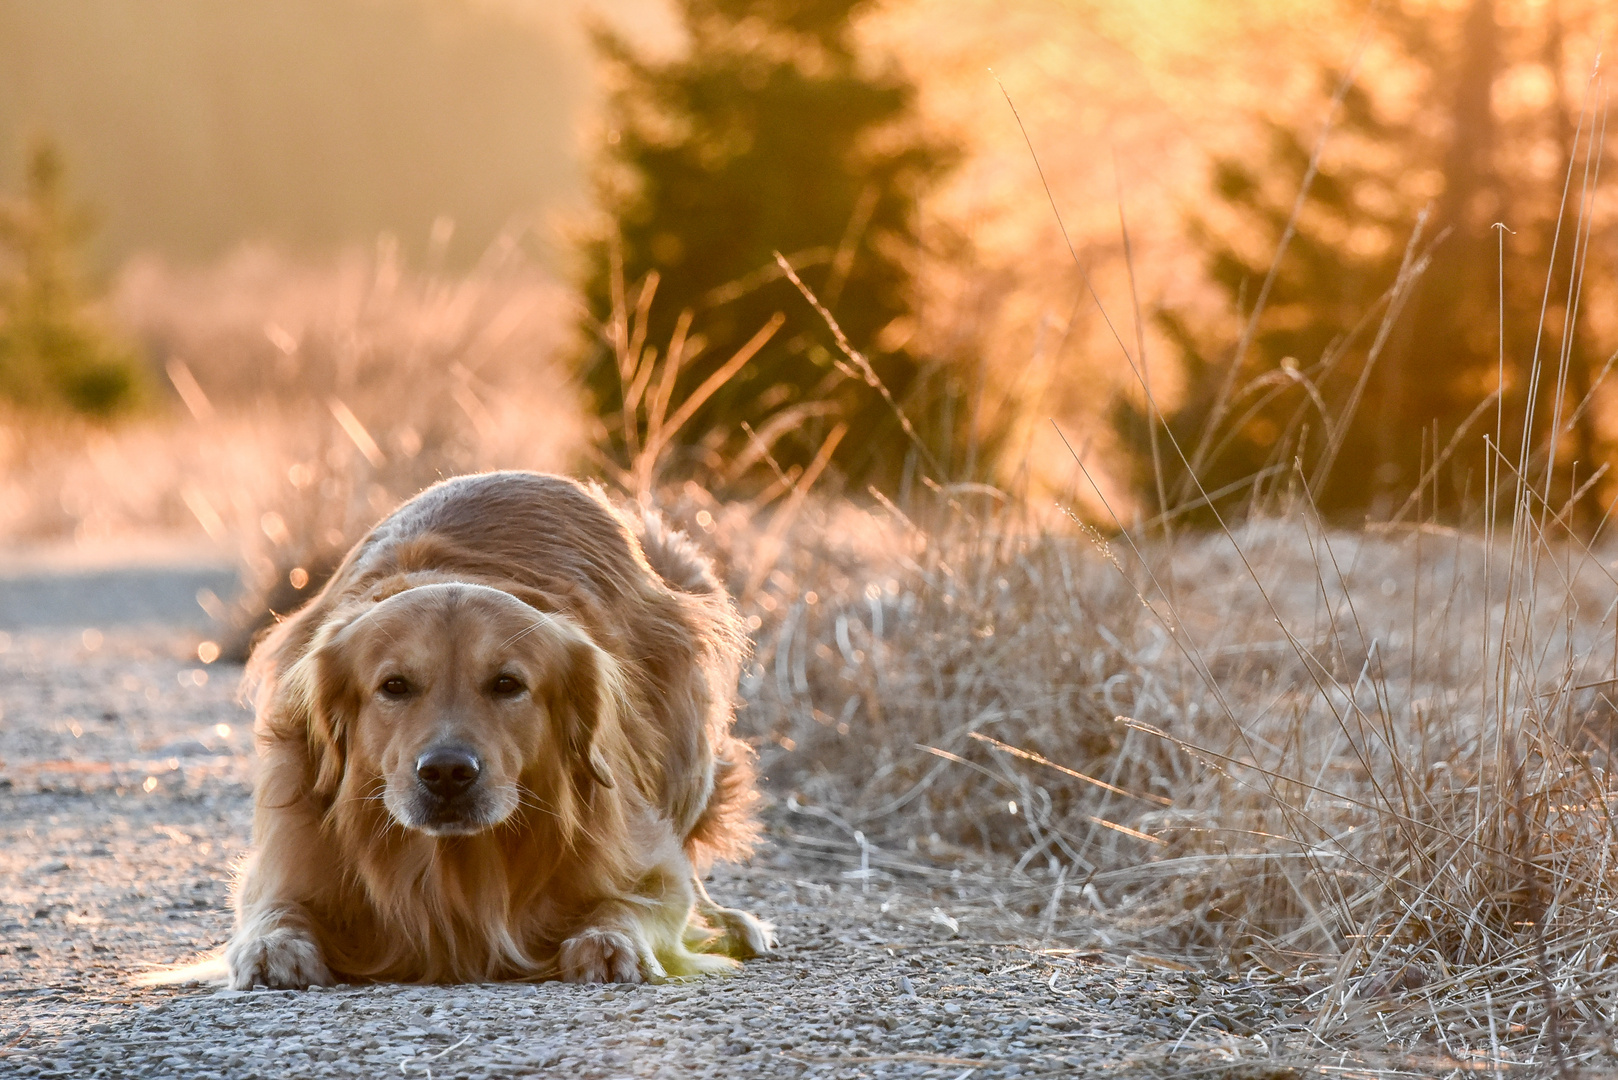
(447,771)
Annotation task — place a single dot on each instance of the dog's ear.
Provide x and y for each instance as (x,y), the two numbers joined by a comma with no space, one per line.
(319,691)
(587,696)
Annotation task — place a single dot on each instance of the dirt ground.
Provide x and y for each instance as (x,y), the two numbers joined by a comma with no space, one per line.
(125,769)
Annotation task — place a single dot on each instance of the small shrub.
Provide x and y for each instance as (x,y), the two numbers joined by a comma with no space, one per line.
(52,353)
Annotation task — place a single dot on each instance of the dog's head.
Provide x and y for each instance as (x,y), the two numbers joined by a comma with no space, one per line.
(457,701)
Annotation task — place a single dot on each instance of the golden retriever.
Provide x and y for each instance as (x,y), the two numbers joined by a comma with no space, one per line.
(497,746)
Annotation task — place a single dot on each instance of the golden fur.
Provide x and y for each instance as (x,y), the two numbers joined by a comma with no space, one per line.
(578,662)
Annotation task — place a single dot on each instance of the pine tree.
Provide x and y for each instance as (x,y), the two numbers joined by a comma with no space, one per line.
(1377,349)
(51,353)
(772,134)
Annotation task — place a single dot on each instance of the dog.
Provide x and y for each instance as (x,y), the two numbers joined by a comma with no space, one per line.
(497,746)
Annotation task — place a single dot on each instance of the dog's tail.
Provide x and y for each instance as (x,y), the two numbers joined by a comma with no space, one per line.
(727,827)
(672,554)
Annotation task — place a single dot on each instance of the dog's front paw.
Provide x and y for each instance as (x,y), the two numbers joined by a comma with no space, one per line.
(601,956)
(281,958)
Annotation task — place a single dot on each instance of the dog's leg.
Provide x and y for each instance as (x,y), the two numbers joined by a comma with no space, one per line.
(273,947)
(645,937)
(274,944)
(613,946)
(743,935)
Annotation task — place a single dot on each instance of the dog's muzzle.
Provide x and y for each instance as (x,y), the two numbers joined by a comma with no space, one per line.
(448,799)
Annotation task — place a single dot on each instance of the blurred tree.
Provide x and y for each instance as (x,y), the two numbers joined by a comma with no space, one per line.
(772,133)
(1374,345)
(52,353)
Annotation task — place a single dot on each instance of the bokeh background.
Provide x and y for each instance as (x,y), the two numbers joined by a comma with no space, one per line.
(1017,214)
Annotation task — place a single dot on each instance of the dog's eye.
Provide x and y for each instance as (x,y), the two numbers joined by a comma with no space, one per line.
(506,685)
(395,687)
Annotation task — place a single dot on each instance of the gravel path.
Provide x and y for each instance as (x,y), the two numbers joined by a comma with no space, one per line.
(124,803)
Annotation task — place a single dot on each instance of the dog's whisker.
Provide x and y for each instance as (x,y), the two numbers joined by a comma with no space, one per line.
(537,624)
(532,801)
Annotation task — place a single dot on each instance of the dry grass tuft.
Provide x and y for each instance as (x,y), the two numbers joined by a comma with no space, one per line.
(1376,764)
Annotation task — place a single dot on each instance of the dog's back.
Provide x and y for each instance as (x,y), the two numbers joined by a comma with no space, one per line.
(542,531)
